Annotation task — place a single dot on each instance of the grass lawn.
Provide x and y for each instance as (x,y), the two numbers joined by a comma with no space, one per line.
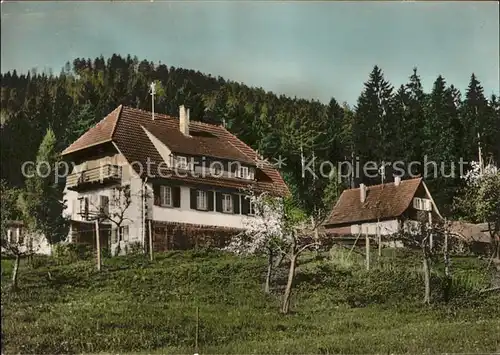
(135,306)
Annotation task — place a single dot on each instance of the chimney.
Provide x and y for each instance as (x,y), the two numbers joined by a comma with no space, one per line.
(397,180)
(184,120)
(362,192)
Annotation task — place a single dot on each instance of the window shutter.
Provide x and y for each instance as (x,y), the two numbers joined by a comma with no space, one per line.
(236,204)
(176,195)
(210,200)
(112,198)
(245,206)
(156,194)
(218,202)
(193,199)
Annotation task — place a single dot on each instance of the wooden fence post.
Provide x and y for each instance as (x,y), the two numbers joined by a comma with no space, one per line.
(197,330)
(367,245)
(150,241)
(98,245)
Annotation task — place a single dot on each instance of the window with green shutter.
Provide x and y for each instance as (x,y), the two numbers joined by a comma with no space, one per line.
(245,206)
(236,203)
(176,195)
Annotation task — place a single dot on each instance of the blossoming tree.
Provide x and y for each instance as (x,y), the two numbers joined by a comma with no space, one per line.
(278,228)
(481,201)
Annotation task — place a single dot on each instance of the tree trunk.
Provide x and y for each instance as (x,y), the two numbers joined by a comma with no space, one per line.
(496,248)
(270,257)
(288,291)
(427,280)
(280,260)
(447,269)
(15,272)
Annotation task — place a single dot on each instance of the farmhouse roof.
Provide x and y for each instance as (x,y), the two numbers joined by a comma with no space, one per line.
(125,127)
(382,201)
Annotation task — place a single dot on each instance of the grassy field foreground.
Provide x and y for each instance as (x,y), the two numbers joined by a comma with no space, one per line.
(137,306)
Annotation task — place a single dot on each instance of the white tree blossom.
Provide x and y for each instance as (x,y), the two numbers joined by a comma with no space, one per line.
(262,229)
(474,176)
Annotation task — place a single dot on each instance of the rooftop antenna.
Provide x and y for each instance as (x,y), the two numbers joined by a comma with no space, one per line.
(480,152)
(153,92)
(351,178)
(302,161)
(381,171)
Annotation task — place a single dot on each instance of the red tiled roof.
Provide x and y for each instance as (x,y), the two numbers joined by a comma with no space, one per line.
(382,201)
(124,127)
(102,132)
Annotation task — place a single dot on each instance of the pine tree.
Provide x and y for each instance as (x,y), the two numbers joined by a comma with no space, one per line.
(79,121)
(403,129)
(414,120)
(478,121)
(442,143)
(42,202)
(373,126)
(494,111)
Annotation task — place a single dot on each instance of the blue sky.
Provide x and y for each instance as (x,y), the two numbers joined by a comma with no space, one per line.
(304,49)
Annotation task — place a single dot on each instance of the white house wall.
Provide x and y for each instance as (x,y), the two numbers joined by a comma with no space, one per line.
(39,244)
(160,147)
(386,228)
(184,214)
(133,214)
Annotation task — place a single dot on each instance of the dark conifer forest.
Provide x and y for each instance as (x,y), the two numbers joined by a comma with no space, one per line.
(388,123)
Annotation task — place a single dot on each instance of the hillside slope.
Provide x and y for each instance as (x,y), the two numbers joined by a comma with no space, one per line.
(138,306)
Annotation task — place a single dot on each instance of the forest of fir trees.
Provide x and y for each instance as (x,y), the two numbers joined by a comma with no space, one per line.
(387,123)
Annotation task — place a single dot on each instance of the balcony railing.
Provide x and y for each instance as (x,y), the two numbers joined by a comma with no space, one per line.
(97,175)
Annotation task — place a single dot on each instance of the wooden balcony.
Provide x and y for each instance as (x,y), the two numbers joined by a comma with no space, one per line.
(89,178)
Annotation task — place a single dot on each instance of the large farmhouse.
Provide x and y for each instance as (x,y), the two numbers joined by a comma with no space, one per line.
(185,179)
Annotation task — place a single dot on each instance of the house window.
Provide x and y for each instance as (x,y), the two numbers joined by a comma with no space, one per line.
(104,205)
(422,204)
(166,196)
(417,203)
(216,169)
(84,206)
(201,200)
(20,236)
(251,174)
(182,162)
(124,233)
(227,203)
(252,208)
(242,172)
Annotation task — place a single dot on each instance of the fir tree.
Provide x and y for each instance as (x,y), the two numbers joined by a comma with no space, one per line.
(42,202)
(372,129)
(478,122)
(442,143)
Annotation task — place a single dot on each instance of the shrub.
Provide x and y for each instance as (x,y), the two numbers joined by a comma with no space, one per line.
(105,253)
(135,248)
(67,253)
